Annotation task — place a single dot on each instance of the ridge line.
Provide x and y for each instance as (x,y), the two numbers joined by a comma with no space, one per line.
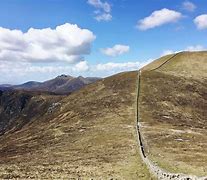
(168,60)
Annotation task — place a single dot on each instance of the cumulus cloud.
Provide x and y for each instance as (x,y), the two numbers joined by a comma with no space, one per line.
(107,69)
(119,66)
(115,50)
(24,71)
(81,67)
(24,68)
(158,18)
(189,48)
(201,21)
(66,42)
(189,6)
(103,10)
(21,72)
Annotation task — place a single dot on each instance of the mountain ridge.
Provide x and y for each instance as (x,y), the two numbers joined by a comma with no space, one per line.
(92,132)
(63,84)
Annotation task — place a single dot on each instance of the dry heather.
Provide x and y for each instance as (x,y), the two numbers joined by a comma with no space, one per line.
(173,106)
(90,135)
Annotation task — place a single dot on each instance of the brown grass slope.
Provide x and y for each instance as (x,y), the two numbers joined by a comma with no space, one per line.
(173,107)
(91,134)
(18,108)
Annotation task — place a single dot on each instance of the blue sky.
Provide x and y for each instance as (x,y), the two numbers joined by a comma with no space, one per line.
(123,35)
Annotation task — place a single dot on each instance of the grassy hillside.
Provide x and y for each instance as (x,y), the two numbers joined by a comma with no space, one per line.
(91,134)
(173,109)
(18,108)
(187,64)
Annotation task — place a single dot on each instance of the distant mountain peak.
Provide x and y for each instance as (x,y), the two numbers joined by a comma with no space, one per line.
(64,76)
(80,77)
(62,84)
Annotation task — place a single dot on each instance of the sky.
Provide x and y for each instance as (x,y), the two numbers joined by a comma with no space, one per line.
(41,39)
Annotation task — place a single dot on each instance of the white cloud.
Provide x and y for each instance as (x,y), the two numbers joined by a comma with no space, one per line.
(100,5)
(189,6)
(201,21)
(167,52)
(119,66)
(24,68)
(21,72)
(81,67)
(24,71)
(67,43)
(195,48)
(103,10)
(158,18)
(103,17)
(189,48)
(115,50)
(107,69)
